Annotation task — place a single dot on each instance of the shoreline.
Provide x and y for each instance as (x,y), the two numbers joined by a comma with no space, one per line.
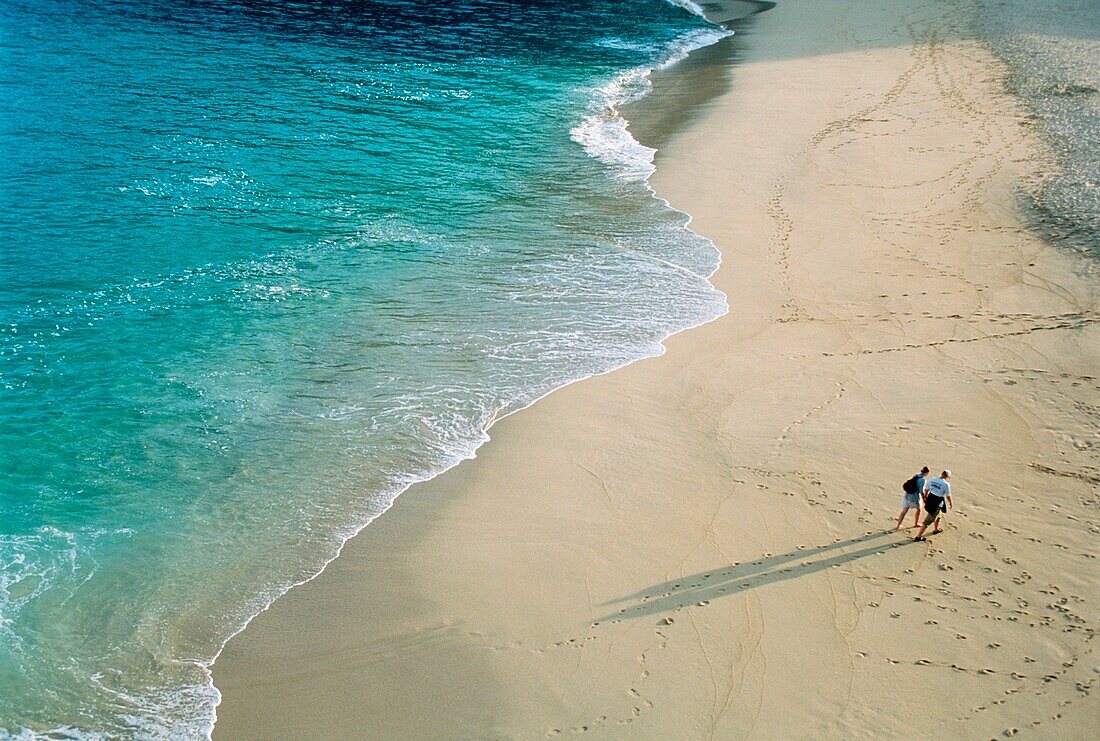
(417,622)
(659,66)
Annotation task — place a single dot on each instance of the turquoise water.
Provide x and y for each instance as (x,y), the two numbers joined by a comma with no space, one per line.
(261,268)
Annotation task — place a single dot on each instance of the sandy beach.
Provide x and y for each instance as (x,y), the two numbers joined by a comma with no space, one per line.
(701,545)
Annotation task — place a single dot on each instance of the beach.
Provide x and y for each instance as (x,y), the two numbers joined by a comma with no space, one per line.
(701,544)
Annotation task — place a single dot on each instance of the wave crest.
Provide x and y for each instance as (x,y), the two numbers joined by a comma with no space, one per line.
(604,133)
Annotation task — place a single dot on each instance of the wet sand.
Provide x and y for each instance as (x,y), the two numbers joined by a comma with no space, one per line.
(700,545)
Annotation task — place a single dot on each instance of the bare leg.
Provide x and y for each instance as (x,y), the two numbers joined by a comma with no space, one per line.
(916,517)
(901,516)
(920,533)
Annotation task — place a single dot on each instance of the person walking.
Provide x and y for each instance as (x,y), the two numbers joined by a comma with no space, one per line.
(911,493)
(937,498)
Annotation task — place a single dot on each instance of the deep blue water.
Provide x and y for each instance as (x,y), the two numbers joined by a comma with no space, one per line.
(262,266)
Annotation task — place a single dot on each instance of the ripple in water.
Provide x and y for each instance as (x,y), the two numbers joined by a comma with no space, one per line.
(266,266)
(1053,50)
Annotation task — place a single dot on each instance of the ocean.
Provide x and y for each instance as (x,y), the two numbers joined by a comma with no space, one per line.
(1053,53)
(264,266)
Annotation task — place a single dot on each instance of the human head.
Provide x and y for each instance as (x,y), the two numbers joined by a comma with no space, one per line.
(924,469)
(945,474)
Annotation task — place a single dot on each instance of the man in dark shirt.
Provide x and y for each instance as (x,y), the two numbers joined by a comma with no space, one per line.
(937,497)
(910,500)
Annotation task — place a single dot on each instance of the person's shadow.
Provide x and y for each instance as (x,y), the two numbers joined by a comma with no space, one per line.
(711,585)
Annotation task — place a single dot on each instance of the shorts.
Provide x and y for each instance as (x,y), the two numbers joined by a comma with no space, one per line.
(910,501)
(934,511)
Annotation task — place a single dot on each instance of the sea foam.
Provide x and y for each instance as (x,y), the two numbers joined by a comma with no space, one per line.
(605,134)
(298,301)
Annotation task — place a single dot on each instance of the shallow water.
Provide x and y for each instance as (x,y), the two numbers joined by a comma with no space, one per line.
(1053,50)
(262,268)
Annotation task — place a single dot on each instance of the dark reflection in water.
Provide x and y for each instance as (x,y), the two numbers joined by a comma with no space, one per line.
(446,29)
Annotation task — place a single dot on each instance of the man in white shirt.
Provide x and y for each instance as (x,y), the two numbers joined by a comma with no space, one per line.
(937,497)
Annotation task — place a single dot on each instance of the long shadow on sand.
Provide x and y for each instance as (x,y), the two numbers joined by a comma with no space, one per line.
(706,586)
